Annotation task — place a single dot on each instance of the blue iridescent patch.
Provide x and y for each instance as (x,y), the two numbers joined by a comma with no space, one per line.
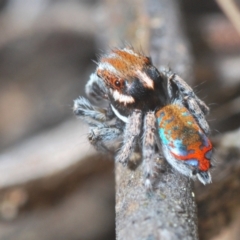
(192,162)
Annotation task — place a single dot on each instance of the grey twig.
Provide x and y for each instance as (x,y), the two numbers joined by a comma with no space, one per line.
(169,211)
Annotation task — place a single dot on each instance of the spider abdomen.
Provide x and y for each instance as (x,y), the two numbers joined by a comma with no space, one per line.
(185,145)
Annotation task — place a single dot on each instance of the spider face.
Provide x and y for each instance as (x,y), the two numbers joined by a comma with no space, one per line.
(131,78)
(154,108)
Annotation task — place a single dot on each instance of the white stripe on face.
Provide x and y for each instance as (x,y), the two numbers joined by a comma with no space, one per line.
(147,82)
(121,117)
(122,98)
(108,67)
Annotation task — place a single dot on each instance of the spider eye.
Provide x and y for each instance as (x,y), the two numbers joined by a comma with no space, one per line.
(117,83)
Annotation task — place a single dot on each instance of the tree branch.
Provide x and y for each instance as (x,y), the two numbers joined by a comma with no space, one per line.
(169,212)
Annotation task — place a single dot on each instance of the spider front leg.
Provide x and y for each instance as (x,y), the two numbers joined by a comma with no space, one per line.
(104,134)
(96,89)
(131,133)
(89,113)
(148,151)
(105,138)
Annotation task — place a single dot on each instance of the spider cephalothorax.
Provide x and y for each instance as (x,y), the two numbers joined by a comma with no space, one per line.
(139,95)
(131,79)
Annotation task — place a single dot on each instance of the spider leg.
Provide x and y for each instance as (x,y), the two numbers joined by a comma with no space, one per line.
(197,114)
(187,91)
(105,139)
(89,113)
(195,105)
(103,134)
(131,133)
(96,89)
(148,151)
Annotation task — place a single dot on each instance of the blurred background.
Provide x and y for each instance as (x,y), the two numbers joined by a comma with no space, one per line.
(53,185)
